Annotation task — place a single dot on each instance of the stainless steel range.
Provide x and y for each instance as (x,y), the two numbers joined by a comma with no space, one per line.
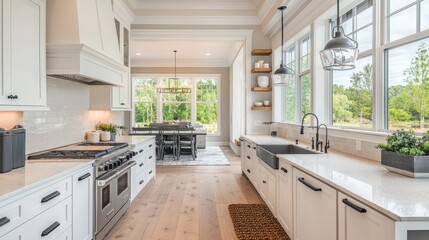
(112,171)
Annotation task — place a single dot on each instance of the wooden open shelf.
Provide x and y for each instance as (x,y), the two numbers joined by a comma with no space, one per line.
(261,89)
(262,108)
(261,70)
(261,52)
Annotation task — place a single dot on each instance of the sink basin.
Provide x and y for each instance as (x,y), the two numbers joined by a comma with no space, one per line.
(267,153)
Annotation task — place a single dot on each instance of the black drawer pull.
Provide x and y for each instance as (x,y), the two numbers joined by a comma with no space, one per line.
(50,229)
(4,221)
(10,97)
(348,203)
(84,177)
(248,157)
(254,147)
(141,182)
(141,164)
(248,170)
(150,157)
(141,150)
(150,172)
(263,181)
(50,197)
(283,169)
(301,179)
(150,145)
(122,104)
(248,146)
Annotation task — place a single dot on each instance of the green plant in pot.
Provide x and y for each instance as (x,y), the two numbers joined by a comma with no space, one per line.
(406,153)
(111,128)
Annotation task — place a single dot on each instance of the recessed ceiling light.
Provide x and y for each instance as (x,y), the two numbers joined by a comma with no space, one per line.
(208,54)
(138,54)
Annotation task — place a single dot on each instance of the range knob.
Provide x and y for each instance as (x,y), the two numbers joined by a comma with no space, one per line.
(130,155)
(118,163)
(122,159)
(110,165)
(135,153)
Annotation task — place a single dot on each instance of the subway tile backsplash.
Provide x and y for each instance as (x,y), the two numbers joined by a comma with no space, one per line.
(341,144)
(66,122)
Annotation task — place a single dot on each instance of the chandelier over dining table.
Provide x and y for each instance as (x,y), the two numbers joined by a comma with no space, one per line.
(173,83)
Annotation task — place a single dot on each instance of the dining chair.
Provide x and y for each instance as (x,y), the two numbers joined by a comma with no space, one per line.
(187,141)
(169,141)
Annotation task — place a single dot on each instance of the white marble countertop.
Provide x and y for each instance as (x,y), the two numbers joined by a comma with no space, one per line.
(399,197)
(133,139)
(36,173)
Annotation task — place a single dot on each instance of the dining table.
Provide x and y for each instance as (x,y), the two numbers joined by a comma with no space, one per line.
(169,131)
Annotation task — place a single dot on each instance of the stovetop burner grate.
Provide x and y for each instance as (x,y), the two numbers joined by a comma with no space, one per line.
(69,154)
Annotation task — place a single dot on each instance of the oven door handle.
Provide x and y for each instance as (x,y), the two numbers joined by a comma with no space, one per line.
(101,182)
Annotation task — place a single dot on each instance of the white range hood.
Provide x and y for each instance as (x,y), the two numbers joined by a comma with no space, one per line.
(82,43)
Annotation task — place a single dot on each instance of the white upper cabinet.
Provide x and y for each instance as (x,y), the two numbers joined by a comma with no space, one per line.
(23,82)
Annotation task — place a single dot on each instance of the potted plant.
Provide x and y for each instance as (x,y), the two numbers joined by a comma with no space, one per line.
(406,154)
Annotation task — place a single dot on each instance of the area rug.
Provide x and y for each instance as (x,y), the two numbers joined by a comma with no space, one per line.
(210,156)
(255,221)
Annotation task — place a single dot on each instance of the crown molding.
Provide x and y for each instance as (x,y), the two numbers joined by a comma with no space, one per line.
(196,34)
(213,5)
(181,63)
(199,20)
(121,9)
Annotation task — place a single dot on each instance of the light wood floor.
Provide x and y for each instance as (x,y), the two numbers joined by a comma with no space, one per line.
(187,203)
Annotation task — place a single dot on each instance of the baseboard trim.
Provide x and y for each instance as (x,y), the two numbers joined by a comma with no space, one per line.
(234,148)
(217,144)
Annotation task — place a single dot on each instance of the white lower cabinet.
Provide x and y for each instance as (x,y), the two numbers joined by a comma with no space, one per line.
(267,187)
(145,167)
(315,208)
(357,221)
(250,162)
(284,197)
(47,226)
(83,197)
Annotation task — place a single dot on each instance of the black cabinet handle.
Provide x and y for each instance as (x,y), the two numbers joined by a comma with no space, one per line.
(141,150)
(254,147)
(150,172)
(150,157)
(50,229)
(150,145)
(283,169)
(248,170)
(15,97)
(302,180)
(248,146)
(141,182)
(3,221)
(50,197)
(357,208)
(248,157)
(141,164)
(10,97)
(263,181)
(122,104)
(84,177)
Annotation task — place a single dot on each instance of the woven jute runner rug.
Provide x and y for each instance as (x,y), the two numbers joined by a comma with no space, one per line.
(255,221)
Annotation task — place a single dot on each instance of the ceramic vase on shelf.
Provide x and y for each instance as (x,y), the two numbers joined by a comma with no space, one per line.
(105,136)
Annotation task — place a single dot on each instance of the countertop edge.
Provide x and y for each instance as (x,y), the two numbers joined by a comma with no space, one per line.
(34,186)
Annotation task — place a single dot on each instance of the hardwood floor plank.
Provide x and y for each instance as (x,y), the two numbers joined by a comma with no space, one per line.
(187,203)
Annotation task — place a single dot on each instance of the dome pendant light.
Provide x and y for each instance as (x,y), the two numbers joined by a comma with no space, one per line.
(341,52)
(283,75)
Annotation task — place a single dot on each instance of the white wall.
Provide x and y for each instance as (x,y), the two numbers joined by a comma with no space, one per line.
(66,122)
(237,97)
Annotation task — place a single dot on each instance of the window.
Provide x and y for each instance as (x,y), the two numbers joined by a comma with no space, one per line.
(145,101)
(290,92)
(407,86)
(176,106)
(297,95)
(352,90)
(200,106)
(406,17)
(207,99)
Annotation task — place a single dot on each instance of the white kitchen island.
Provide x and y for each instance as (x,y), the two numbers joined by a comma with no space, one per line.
(339,196)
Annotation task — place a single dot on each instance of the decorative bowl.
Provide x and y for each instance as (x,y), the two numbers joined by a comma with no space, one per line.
(258,104)
(263,81)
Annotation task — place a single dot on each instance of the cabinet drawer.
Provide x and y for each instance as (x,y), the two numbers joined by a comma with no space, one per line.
(51,224)
(66,235)
(141,164)
(139,182)
(150,172)
(28,207)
